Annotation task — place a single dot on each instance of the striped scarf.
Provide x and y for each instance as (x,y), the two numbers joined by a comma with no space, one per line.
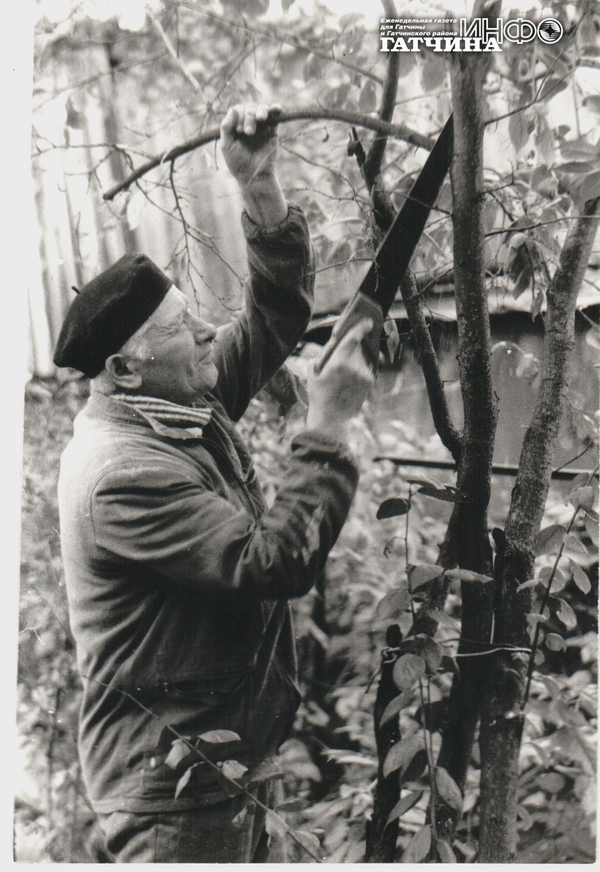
(170,414)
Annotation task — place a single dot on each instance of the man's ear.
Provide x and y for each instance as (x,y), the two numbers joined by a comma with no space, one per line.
(124,371)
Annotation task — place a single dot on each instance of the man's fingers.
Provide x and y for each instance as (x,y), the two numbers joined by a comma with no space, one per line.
(244,118)
(355,335)
(229,123)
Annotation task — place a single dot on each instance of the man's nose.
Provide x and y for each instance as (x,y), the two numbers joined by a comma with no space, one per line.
(203,331)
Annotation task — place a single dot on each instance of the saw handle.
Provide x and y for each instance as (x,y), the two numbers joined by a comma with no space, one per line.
(359,308)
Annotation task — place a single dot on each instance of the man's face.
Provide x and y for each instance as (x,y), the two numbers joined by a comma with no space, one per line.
(178,366)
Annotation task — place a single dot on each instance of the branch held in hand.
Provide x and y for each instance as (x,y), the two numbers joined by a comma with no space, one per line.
(316,113)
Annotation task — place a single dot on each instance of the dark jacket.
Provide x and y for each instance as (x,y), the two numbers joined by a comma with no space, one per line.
(178,576)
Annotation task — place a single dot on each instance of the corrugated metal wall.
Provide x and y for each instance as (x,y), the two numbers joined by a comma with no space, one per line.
(76,234)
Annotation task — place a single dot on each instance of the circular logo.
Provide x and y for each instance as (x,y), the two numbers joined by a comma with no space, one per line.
(550,30)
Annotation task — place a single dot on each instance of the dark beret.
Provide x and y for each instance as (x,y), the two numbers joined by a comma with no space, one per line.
(108,310)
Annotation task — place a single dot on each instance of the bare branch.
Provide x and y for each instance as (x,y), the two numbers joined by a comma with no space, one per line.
(398,131)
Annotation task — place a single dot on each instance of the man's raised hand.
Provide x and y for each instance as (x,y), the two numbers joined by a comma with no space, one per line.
(249,143)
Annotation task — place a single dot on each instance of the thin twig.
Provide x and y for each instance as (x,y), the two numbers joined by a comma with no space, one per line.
(171,49)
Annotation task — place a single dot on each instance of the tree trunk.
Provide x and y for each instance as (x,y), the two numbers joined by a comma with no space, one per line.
(466,543)
(503,700)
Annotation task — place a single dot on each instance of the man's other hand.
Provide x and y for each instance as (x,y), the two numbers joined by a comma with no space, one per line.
(337,393)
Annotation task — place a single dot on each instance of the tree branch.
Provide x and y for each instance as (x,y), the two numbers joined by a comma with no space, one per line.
(398,131)
(535,466)
(373,161)
(171,49)
(413,303)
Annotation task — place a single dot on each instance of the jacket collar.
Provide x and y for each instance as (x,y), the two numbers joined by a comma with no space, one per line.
(100,406)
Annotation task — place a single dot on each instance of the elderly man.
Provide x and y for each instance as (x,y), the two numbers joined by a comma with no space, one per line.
(178,576)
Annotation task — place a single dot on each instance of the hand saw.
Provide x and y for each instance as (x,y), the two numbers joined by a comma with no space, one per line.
(378,288)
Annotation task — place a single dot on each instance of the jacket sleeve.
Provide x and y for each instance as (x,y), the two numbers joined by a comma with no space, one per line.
(278,305)
(183,530)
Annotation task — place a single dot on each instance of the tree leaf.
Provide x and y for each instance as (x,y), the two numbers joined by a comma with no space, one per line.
(525,817)
(445,852)
(549,539)
(448,789)
(591,525)
(577,167)
(580,577)
(544,138)
(238,820)
(592,186)
(523,282)
(527,584)
(215,736)
(574,543)
(309,840)
(534,618)
(592,102)
(566,615)
(233,769)
(447,494)
(314,67)
(429,482)
(554,642)
(179,751)
(275,824)
(394,707)
(578,149)
(432,654)
(517,130)
(558,579)
(392,508)
(552,782)
(444,619)
(184,780)
(393,603)
(367,101)
(407,670)
(582,497)
(551,88)
(422,573)
(400,754)
(403,805)
(419,845)
(467,575)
